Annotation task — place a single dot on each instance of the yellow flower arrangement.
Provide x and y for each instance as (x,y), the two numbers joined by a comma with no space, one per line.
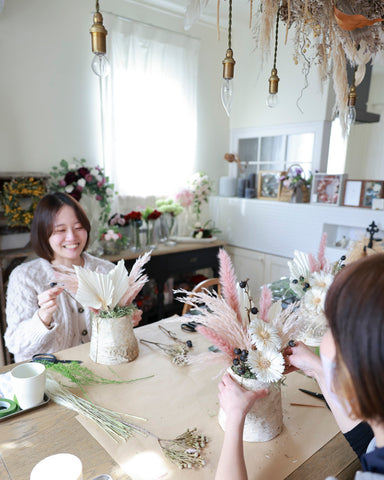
(19,213)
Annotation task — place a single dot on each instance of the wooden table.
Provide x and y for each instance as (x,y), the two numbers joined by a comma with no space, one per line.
(172,400)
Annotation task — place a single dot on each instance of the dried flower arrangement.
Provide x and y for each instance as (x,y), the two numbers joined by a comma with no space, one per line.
(251,340)
(310,278)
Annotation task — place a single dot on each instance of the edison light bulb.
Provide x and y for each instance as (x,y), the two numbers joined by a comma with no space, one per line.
(272,100)
(350,116)
(100,65)
(227,94)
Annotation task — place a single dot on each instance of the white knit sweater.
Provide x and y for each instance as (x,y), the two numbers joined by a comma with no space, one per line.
(26,334)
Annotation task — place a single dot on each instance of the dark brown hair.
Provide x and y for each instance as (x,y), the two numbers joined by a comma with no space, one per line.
(44,218)
(354,307)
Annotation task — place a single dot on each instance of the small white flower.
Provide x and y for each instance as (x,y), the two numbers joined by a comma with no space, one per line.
(321,280)
(73,167)
(199,234)
(99,178)
(264,335)
(109,191)
(69,188)
(314,299)
(81,182)
(94,172)
(268,366)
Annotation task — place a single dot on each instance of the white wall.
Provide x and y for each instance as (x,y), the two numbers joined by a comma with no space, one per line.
(49,95)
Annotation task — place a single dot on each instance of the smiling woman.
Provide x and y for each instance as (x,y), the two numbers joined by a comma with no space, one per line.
(47,320)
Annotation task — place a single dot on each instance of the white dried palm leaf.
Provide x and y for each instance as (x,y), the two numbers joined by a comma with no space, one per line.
(298,267)
(101,291)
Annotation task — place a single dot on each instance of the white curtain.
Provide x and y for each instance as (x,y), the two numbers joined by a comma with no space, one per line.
(149,108)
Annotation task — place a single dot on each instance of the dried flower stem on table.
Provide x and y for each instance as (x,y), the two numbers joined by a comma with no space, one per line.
(177,353)
(184,450)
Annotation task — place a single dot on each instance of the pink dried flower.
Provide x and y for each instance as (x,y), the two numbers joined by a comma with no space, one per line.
(265,303)
(228,282)
(219,341)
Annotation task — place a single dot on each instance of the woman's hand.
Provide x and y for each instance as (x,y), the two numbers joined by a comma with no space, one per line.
(47,302)
(235,400)
(300,357)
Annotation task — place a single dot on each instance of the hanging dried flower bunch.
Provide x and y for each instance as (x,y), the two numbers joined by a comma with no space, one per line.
(328,34)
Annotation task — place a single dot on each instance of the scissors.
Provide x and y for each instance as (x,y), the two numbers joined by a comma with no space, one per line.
(50,358)
(320,396)
(189,326)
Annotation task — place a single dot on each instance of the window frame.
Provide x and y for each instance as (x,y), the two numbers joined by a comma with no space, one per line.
(321,131)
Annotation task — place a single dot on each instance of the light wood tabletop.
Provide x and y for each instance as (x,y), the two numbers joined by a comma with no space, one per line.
(310,446)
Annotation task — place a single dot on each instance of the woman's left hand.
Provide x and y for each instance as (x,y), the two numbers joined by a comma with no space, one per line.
(236,400)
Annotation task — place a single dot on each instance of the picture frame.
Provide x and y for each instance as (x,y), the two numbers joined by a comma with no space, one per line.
(371,189)
(352,193)
(328,188)
(269,185)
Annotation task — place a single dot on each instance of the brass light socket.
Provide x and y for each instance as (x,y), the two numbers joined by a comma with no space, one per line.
(228,65)
(273,81)
(98,34)
(352,95)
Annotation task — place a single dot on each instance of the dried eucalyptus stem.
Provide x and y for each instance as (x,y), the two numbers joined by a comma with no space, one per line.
(178,353)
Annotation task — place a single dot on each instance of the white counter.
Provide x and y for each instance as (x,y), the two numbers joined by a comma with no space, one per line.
(279,228)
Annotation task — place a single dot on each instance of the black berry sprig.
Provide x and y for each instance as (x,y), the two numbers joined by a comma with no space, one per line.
(302,282)
(250,309)
(239,364)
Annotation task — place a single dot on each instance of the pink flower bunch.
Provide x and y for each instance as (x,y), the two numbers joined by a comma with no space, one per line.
(185,197)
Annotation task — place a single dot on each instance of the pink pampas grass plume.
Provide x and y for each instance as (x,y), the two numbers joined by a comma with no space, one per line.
(321,254)
(228,282)
(265,303)
(219,341)
(137,280)
(314,265)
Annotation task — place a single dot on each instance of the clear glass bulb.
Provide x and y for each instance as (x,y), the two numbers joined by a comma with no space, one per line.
(227,94)
(350,116)
(272,100)
(100,65)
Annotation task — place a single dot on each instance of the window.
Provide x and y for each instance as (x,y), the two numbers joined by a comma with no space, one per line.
(275,149)
(149,108)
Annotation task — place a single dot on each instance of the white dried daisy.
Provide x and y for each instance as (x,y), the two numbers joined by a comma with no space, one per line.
(313,301)
(264,335)
(321,280)
(268,366)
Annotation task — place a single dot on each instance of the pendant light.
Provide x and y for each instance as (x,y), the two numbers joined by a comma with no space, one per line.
(228,69)
(350,116)
(100,64)
(273,98)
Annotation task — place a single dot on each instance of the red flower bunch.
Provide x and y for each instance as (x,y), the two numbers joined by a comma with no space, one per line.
(133,216)
(154,215)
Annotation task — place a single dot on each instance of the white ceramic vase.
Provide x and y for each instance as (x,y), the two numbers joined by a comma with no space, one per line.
(113,340)
(265,419)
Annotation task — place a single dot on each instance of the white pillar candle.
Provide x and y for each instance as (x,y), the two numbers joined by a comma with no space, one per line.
(62,466)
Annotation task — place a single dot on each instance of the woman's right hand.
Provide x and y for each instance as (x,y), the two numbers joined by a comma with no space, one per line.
(303,358)
(47,302)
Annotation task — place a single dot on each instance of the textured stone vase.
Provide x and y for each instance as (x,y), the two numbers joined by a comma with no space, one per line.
(113,340)
(265,419)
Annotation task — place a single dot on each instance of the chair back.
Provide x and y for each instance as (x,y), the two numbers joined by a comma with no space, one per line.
(209,282)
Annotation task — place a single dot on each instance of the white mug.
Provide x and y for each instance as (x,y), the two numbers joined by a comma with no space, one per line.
(28,383)
(62,466)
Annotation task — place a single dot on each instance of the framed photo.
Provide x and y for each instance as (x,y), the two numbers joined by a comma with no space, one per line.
(328,189)
(371,189)
(269,185)
(352,193)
